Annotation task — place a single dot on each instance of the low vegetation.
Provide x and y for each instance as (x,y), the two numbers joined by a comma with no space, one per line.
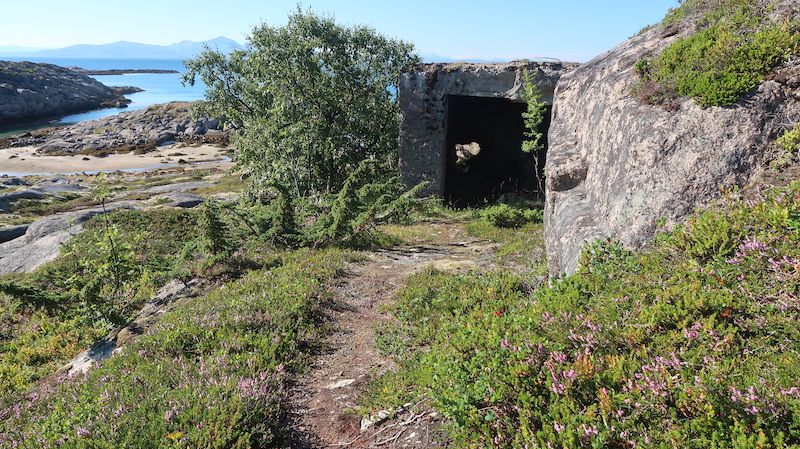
(690,344)
(31,209)
(238,346)
(213,374)
(736,46)
(628,352)
(55,312)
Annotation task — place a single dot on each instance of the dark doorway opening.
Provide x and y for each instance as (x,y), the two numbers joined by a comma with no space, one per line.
(475,174)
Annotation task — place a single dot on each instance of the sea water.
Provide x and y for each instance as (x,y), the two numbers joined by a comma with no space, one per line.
(158,87)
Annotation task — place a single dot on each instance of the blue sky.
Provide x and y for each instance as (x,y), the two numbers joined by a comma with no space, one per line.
(573,30)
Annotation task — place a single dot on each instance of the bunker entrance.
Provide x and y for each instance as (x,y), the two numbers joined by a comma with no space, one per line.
(484,156)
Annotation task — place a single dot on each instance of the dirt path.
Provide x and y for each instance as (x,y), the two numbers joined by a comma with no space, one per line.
(321,399)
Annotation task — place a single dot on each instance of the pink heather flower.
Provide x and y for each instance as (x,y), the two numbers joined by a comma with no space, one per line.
(790,392)
(571,374)
(169,414)
(752,409)
(559,428)
(559,356)
(505,344)
(689,333)
(752,396)
(589,431)
(752,245)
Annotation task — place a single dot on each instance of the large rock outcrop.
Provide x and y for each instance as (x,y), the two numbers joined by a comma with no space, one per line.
(29,91)
(616,166)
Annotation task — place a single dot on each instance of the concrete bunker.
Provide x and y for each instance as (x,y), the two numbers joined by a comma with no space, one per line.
(462,129)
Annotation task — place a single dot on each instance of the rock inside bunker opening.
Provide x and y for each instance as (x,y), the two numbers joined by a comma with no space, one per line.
(484,157)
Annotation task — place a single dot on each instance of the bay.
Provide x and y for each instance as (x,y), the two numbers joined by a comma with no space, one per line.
(158,87)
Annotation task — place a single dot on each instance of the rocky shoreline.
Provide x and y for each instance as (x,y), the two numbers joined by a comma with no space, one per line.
(32,91)
(140,130)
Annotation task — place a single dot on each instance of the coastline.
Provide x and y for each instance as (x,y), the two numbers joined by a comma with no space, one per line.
(24,161)
(110,72)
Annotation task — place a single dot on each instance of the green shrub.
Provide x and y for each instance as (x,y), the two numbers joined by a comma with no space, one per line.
(371,195)
(505,216)
(729,56)
(789,142)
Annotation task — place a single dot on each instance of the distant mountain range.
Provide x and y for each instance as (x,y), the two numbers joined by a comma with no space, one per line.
(133,50)
(124,50)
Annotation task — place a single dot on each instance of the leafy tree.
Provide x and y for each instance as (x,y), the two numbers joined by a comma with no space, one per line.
(309,100)
(534,116)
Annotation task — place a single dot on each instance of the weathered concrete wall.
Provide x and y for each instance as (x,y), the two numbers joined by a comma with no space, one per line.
(423,96)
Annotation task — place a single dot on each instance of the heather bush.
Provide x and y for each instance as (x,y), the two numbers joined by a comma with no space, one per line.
(690,344)
(210,375)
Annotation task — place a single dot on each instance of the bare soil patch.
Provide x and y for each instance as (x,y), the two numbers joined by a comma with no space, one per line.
(321,400)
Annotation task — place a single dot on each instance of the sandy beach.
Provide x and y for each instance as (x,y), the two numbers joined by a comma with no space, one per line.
(24,161)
